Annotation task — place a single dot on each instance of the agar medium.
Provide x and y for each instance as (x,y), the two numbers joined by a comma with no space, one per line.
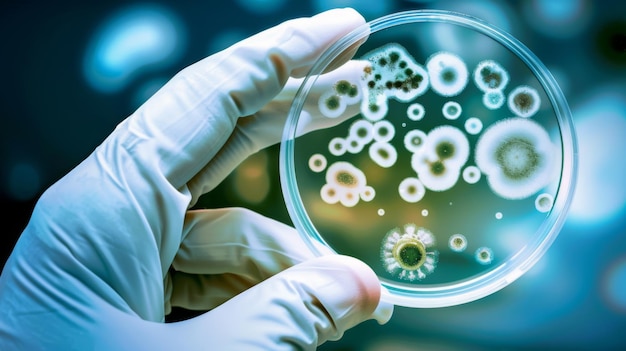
(449,166)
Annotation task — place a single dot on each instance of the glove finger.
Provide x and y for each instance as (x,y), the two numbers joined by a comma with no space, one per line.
(239,241)
(204,292)
(265,127)
(188,121)
(225,251)
(297,309)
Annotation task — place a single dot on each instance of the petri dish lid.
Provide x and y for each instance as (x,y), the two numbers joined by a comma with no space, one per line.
(442,155)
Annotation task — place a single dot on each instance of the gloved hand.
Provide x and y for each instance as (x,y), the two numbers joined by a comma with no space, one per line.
(113,245)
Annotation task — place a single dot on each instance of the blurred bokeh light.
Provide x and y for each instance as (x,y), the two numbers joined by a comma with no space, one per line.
(558,18)
(369,9)
(601,128)
(133,39)
(74,70)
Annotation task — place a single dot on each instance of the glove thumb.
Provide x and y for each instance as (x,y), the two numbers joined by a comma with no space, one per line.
(297,309)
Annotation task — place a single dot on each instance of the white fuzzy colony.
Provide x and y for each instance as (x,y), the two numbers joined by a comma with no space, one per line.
(544,202)
(516,156)
(337,146)
(471,174)
(493,100)
(473,126)
(524,101)
(490,76)
(411,190)
(415,111)
(484,255)
(383,154)
(457,243)
(414,140)
(447,73)
(451,110)
(317,163)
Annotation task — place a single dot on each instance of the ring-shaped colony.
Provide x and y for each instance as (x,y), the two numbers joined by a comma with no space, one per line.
(383,131)
(383,153)
(337,146)
(473,126)
(411,189)
(447,73)
(524,101)
(544,202)
(363,130)
(405,252)
(354,145)
(447,143)
(516,155)
(471,174)
(451,110)
(494,99)
(317,163)
(457,242)
(414,140)
(415,111)
(331,105)
(484,255)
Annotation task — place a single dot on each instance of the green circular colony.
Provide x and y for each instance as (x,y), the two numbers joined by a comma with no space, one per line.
(515,154)
(406,252)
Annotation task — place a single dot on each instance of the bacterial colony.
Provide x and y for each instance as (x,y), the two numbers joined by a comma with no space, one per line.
(514,154)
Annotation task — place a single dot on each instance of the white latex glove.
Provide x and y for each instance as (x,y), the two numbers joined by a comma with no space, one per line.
(113,244)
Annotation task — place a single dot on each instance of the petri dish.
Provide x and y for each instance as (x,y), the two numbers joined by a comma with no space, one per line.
(446,161)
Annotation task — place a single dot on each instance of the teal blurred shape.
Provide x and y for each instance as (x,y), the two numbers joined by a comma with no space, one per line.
(134,39)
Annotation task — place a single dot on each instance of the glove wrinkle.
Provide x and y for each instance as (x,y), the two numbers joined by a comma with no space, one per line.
(332,326)
(296,309)
(204,292)
(226,251)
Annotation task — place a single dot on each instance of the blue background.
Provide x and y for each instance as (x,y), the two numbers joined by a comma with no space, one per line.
(71,71)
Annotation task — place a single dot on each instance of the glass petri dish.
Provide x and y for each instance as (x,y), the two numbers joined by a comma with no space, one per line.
(446,162)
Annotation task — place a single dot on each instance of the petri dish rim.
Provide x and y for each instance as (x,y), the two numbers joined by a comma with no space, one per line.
(474,288)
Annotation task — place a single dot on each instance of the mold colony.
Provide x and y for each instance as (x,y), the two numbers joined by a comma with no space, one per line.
(393,74)
(405,253)
(515,154)
(457,242)
(448,74)
(345,184)
(438,164)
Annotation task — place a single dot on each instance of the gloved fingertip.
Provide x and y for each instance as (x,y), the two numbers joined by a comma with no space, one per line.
(374,296)
(343,12)
(348,289)
(383,312)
